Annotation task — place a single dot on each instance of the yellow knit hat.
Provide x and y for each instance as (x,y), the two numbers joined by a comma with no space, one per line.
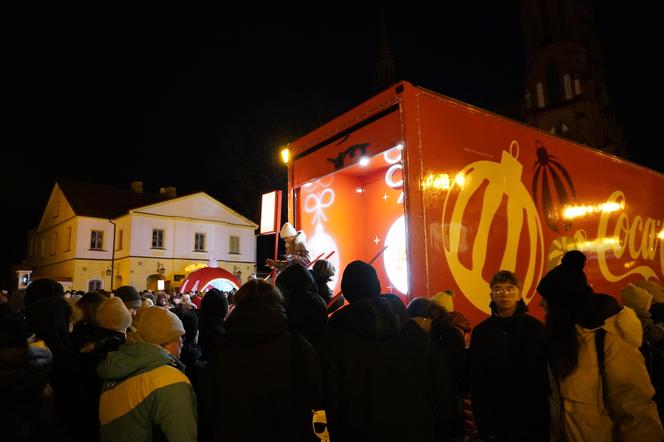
(112,314)
(444,299)
(159,326)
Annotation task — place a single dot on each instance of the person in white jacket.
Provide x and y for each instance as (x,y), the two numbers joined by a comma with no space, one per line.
(601,388)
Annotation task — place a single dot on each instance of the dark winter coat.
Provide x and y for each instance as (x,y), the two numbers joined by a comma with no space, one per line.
(262,381)
(508,377)
(382,376)
(306,310)
(212,314)
(93,344)
(49,319)
(25,414)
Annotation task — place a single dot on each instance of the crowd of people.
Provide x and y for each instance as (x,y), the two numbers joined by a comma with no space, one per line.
(275,361)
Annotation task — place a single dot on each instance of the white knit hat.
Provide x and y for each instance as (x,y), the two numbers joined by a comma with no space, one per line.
(287,231)
(636,298)
(655,289)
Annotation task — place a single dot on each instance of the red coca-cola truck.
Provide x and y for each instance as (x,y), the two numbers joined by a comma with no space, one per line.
(439,194)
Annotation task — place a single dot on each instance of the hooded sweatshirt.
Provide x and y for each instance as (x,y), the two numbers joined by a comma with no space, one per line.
(381,371)
(631,414)
(144,388)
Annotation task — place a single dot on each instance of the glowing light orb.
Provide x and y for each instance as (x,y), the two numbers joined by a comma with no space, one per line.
(394,258)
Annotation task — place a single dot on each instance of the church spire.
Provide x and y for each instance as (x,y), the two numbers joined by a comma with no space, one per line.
(385,65)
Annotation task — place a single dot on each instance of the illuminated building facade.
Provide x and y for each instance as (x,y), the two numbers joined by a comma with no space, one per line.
(95,236)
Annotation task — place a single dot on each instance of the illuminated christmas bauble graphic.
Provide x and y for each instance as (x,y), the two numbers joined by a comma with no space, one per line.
(562,245)
(553,189)
(490,187)
(321,243)
(394,258)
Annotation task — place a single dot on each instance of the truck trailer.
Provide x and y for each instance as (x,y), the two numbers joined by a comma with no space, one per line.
(439,194)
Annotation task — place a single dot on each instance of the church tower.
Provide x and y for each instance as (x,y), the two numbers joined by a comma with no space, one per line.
(565,89)
(385,65)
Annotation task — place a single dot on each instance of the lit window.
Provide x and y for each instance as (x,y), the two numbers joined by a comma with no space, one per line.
(234,245)
(157,239)
(577,86)
(96,240)
(199,242)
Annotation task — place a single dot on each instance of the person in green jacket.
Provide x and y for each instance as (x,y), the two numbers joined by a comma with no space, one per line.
(146,395)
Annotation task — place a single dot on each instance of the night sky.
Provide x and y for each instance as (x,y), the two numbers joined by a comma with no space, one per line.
(201,97)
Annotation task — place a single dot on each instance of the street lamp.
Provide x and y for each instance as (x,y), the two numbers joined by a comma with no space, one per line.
(160,268)
(285,155)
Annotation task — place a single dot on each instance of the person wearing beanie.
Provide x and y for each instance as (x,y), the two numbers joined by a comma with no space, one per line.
(445,299)
(145,393)
(263,381)
(129,295)
(113,315)
(42,288)
(602,389)
(507,365)
(306,310)
(654,288)
(296,249)
(652,349)
(383,357)
(102,332)
(213,312)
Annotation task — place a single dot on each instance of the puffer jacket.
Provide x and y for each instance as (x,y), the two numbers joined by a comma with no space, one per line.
(578,408)
(145,395)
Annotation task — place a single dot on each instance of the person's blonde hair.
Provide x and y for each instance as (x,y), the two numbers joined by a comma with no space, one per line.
(324,268)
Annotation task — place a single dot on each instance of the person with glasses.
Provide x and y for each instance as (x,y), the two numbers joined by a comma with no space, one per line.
(508,371)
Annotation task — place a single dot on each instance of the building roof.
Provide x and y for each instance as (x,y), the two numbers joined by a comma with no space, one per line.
(104,201)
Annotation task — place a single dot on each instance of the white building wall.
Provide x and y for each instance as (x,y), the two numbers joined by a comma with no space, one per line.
(184,239)
(124,224)
(179,239)
(141,236)
(83,234)
(247,243)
